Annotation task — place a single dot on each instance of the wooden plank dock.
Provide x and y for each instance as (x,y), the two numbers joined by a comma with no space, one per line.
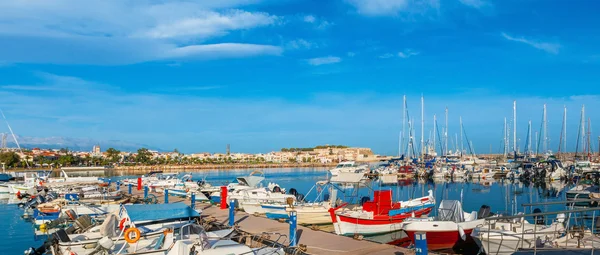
(315,241)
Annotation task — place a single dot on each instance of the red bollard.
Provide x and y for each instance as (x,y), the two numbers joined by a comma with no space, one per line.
(223,197)
(139,183)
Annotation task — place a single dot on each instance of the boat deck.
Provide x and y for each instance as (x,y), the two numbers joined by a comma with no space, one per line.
(316,241)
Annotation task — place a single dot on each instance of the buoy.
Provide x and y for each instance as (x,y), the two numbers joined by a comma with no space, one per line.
(43,227)
(128,237)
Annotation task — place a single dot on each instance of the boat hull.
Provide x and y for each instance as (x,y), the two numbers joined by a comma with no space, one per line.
(344,225)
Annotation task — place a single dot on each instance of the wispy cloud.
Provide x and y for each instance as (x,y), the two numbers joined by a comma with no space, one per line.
(407,53)
(320,23)
(393,7)
(300,44)
(324,60)
(351,54)
(126,32)
(310,19)
(387,55)
(552,48)
(477,4)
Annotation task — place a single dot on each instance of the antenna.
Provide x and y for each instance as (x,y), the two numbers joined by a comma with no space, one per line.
(13,135)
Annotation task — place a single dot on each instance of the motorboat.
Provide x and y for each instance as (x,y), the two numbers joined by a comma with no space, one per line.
(451,228)
(149,219)
(349,167)
(505,236)
(379,216)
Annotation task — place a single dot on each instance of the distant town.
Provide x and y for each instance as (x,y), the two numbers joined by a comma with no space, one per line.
(47,158)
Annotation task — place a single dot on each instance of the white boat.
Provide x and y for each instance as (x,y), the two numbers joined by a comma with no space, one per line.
(149,219)
(252,200)
(4,189)
(349,167)
(450,228)
(506,237)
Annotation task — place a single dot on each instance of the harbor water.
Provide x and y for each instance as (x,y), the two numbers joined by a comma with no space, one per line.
(503,196)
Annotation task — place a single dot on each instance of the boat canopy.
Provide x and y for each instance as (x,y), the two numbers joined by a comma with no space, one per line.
(155,212)
(251,181)
(451,210)
(346,177)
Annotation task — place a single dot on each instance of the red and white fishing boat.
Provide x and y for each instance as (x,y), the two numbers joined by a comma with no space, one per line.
(379,216)
(451,228)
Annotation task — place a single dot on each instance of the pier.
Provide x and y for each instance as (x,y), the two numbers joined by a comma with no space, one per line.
(309,241)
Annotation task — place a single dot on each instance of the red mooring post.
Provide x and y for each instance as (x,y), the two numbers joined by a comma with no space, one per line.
(139,187)
(223,197)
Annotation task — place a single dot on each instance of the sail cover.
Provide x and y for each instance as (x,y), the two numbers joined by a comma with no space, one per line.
(450,210)
(155,212)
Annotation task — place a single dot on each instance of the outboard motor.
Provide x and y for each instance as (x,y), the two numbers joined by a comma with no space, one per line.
(539,220)
(276,189)
(293,192)
(300,197)
(363,200)
(484,212)
(326,197)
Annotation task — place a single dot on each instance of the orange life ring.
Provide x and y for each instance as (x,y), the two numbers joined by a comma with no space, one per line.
(137,236)
(122,223)
(71,216)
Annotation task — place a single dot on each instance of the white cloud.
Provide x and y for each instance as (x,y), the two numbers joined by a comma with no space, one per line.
(407,53)
(393,7)
(474,3)
(324,60)
(124,32)
(310,19)
(222,50)
(552,48)
(300,44)
(387,55)
(208,24)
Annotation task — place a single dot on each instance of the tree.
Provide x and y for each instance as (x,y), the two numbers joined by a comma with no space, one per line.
(9,158)
(143,156)
(113,155)
(64,150)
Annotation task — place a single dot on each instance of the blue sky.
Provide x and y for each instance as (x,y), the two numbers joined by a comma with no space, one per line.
(261,75)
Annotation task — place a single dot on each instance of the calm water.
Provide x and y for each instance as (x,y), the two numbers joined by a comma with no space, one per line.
(502,196)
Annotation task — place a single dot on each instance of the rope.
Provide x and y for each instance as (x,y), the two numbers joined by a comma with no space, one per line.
(323,249)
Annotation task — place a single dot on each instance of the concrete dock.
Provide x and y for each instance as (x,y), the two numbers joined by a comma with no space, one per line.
(315,241)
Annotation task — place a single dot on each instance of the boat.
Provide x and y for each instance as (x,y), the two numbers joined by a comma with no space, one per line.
(451,228)
(349,167)
(4,177)
(505,236)
(4,189)
(149,219)
(379,216)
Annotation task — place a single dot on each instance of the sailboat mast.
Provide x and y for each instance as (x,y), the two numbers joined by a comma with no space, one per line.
(529,138)
(461,136)
(589,135)
(446,134)
(434,130)
(422,127)
(583,128)
(565,130)
(515,126)
(505,139)
(403,123)
(545,143)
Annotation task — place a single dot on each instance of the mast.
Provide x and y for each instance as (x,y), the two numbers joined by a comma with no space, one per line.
(403,123)
(529,151)
(461,136)
(515,126)
(565,130)
(545,142)
(446,134)
(505,139)
(563,133)
(422,127)
(583,128)
(434,130)
(589,135)
(14,137)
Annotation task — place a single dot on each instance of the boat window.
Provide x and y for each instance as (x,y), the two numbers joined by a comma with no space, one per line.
(191,231)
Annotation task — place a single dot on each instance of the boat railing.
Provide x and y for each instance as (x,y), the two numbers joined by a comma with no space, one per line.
(572,225)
